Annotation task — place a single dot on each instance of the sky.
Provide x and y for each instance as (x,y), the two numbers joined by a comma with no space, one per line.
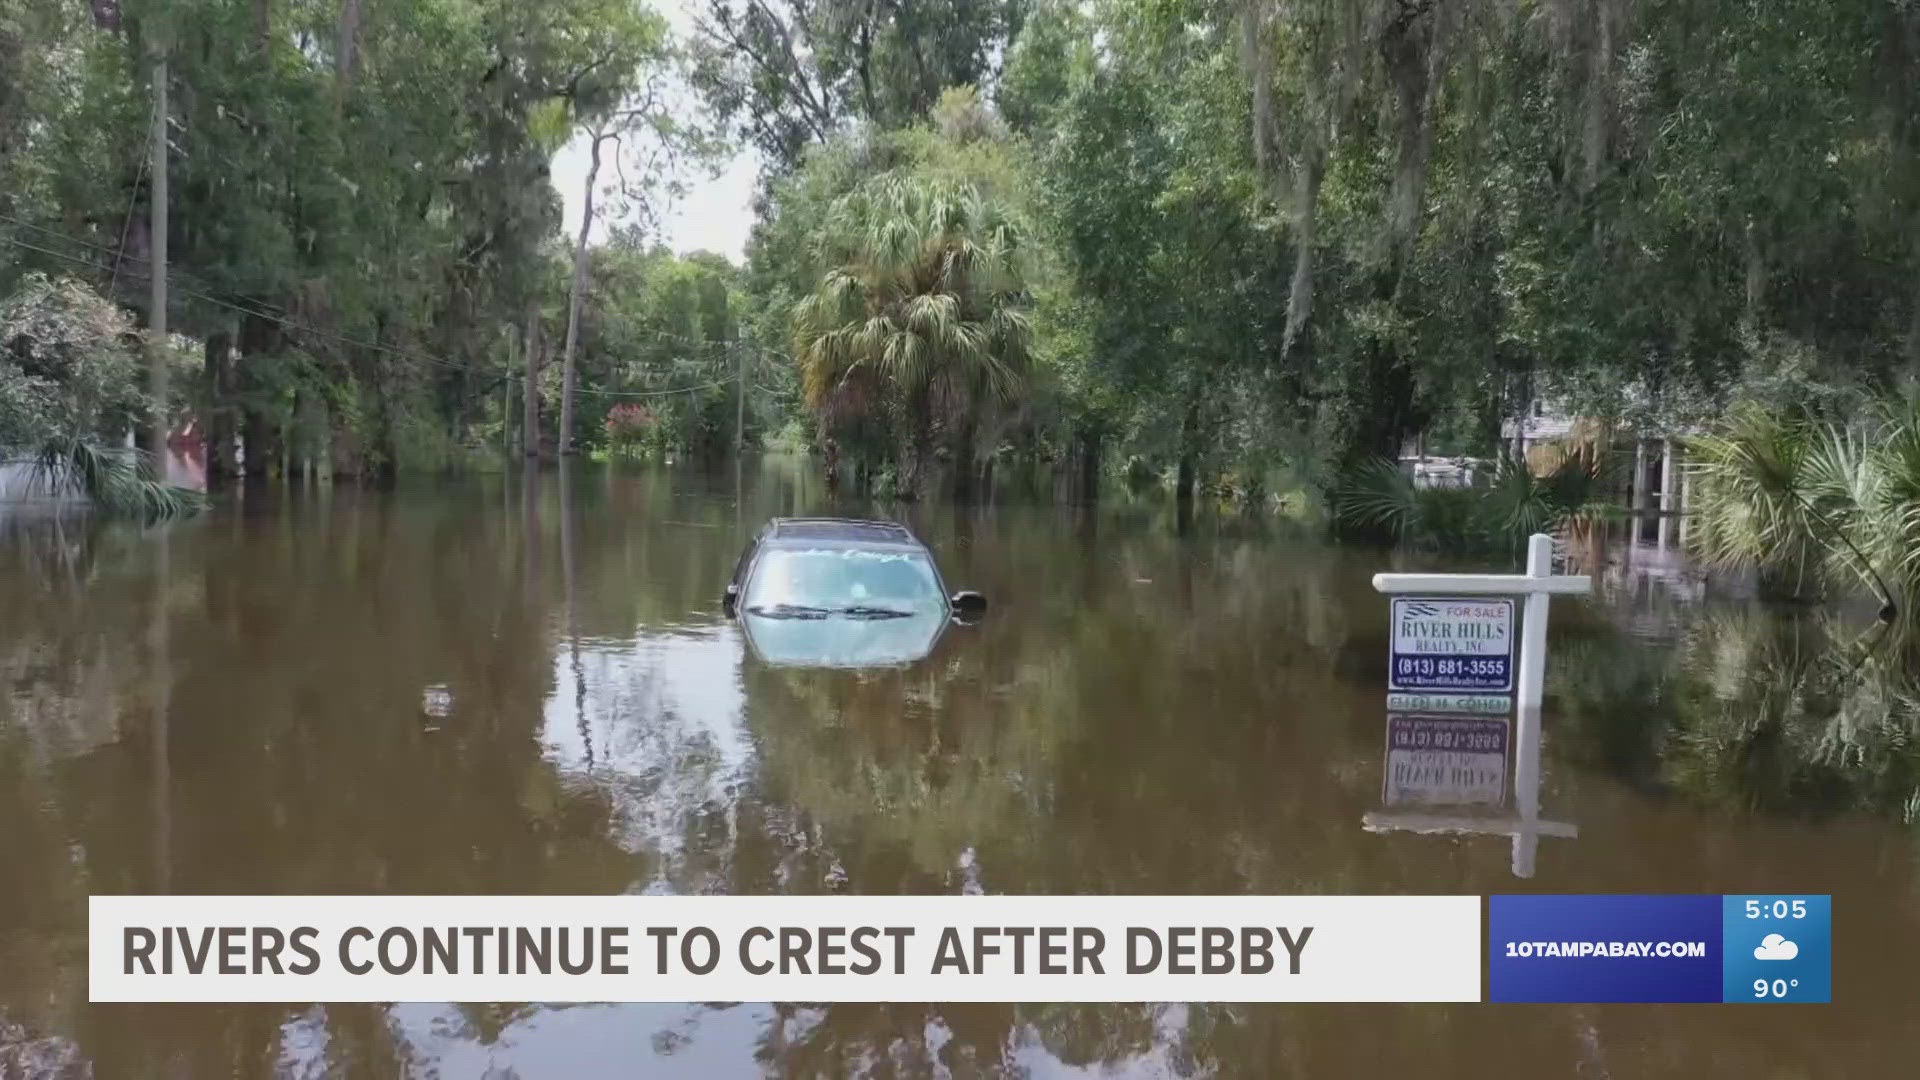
(715,214)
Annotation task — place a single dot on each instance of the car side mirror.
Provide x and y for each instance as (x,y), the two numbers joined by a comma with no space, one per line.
(728,601)
(969,605)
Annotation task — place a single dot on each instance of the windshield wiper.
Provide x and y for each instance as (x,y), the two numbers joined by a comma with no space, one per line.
(808,611)
(788,611)
(859,611)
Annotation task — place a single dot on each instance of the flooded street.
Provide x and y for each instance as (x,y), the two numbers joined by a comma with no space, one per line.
(528,685)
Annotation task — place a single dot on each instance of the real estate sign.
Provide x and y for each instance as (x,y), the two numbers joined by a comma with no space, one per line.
(1451,645)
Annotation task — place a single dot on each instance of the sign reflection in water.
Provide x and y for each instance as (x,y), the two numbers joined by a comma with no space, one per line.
(1445,760)
(1450,789)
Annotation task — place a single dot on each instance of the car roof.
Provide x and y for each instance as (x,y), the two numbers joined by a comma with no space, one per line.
(845,530)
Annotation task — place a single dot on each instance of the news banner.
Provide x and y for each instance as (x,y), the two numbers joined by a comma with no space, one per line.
(1762,948)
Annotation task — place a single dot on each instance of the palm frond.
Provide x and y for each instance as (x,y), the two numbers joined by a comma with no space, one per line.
(1379,496)
(1895,496)
(1750,479)
(114,480)
(1517,502)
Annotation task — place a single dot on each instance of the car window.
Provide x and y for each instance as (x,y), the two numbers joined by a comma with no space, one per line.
(840,577)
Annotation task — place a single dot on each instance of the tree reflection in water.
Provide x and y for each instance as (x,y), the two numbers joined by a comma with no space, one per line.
(1139,714)
(1753,709)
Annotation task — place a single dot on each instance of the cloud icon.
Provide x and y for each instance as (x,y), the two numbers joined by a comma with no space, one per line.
(1775,947)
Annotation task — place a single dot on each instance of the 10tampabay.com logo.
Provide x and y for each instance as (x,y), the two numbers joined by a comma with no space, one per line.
(1659,948)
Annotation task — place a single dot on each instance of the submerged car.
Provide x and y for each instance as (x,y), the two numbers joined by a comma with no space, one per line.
(840,592)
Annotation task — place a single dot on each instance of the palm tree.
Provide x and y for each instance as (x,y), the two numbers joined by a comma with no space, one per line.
(1788,496)
(923,320)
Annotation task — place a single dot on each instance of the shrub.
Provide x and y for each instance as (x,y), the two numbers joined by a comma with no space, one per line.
(629,425)
(70,376)
(69,364)
(1381,498)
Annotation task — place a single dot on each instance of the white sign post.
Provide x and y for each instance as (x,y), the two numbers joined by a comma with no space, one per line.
(1538,583)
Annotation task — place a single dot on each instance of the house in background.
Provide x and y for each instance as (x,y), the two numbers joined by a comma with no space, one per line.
(1444,472)
(1647,457)
(1638,559)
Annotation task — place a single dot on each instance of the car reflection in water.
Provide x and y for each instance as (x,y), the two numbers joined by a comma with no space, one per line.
(834,593)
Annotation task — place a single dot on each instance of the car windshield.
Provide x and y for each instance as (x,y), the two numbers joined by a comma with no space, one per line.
(853,581)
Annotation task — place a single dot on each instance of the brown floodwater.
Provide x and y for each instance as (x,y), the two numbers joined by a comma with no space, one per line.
(525,685)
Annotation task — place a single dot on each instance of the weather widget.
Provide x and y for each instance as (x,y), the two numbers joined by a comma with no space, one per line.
(1778,948)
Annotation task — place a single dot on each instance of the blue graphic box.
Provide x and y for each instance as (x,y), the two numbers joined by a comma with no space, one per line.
(1563,948)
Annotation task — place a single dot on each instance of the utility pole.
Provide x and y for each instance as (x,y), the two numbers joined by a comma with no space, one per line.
(506,398)
(157,219)
(599,135)
(530,388)
(740,399)
(160,733)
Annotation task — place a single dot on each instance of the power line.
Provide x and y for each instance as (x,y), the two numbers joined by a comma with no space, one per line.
(654,393)
(402,354)
(281,320)
(271,311)
(277,314)
(120,255)
(126,222)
